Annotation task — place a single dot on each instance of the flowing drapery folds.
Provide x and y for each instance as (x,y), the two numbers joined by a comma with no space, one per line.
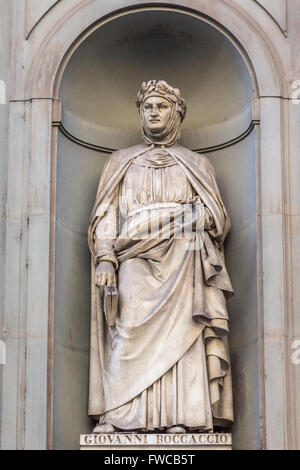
(170,295)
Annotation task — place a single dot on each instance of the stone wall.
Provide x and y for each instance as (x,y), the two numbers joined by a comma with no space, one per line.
(5,51)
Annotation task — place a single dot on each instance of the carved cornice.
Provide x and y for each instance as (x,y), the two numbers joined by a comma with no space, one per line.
(282,24)
(31,25)
(213,148)
(82,143)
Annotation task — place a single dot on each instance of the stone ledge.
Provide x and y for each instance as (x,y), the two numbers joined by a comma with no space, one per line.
(132,441)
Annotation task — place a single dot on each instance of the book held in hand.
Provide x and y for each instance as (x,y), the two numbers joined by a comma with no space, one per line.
(110,304)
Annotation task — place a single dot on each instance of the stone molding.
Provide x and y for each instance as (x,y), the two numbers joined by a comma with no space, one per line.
(213,148)
(277,10)
(36,11)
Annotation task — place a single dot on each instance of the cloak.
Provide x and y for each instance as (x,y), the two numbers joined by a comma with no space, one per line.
(150,349)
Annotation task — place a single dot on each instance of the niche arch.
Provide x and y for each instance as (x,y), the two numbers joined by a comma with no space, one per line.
(101,117)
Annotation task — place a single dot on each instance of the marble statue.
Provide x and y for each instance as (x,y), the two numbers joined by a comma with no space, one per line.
(164,365)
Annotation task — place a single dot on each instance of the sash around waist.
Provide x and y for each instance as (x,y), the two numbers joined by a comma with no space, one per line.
(160,205)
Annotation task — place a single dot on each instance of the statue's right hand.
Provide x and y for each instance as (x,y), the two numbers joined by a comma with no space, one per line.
(105,274)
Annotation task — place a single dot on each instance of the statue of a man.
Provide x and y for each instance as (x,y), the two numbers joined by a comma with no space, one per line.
(164,365)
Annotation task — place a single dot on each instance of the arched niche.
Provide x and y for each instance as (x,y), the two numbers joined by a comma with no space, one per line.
(98,91)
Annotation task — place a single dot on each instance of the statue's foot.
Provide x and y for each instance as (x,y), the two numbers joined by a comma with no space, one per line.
(176,430)
(104,428)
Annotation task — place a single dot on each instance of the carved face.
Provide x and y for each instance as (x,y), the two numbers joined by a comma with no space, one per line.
(157,111)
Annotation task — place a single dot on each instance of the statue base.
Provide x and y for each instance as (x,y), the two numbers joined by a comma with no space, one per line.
(135,441)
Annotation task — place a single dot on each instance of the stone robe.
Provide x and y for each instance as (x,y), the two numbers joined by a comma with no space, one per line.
(166,361)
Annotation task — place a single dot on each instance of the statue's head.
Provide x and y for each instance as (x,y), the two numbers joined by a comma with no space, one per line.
(162,111)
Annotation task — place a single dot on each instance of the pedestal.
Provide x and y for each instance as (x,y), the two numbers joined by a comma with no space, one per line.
(131,441)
